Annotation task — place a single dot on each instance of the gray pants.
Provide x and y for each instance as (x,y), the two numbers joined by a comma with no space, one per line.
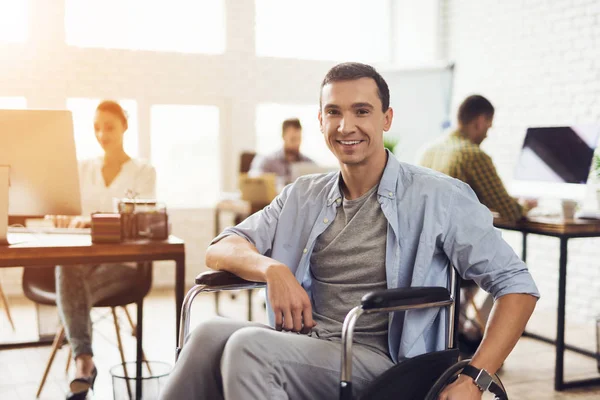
(78,288)
(235,360)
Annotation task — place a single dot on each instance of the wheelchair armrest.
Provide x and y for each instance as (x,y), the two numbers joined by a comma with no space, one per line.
(224,279)
(417,297)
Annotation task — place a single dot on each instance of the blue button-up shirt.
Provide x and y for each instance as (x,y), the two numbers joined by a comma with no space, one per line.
(434,221)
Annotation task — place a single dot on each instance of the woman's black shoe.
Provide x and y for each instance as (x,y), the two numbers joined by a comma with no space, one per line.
(80,386)
(77,396)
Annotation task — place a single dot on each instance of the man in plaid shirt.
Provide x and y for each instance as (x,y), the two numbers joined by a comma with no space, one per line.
(460,156)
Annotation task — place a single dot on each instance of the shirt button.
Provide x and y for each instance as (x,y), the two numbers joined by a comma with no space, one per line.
(338,201)
(305,251)
(326,220)
(391,194)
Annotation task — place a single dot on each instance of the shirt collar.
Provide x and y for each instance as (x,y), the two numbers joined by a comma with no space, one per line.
(459,135)
(387,185)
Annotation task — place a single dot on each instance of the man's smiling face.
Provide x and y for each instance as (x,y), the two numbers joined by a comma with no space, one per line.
(352,120)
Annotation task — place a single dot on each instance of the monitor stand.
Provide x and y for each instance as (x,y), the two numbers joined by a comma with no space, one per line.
(4,183)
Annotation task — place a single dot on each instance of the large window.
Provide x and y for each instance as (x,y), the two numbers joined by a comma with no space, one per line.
(188,26)
(13,103)
(348,30)
(84,111)
(13,20)
(185,153)
(269,117)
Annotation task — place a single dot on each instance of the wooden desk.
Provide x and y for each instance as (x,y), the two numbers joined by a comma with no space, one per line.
(563,230)
(54,249)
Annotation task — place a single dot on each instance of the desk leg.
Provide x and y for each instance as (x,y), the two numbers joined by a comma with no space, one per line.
(216,233)
(560,326)
(179,287)
(139,351)
(250,304)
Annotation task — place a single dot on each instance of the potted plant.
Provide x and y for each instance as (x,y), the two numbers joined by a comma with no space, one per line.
(390,143)
(596,167)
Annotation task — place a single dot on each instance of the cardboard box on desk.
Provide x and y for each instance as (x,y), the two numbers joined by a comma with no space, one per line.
(106,228)
(258,190)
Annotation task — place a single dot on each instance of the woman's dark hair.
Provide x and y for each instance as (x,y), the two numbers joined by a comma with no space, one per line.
(114,108)
(351,71)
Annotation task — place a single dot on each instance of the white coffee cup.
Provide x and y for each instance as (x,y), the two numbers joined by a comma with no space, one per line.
(568,209)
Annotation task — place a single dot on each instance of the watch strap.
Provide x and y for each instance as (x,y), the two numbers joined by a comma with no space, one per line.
(474,373)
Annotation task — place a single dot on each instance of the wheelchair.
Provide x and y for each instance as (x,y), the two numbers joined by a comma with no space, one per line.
(418,378)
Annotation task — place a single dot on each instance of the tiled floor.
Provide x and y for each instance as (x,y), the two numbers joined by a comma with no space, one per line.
(527,374)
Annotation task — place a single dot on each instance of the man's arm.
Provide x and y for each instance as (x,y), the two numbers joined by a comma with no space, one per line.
(490,190)
(478,252)
(243,250)
(238,256)
(290,302)
(505,326)
(263,165)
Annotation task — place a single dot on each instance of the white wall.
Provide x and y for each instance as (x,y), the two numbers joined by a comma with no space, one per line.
(47,72)
(539,64)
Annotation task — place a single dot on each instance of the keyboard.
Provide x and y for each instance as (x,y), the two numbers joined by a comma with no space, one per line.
(544,213)
(588,214)
(51,230)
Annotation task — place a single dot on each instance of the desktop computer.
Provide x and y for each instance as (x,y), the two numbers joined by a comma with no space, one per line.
(555,162)
(308,168)
(38,165)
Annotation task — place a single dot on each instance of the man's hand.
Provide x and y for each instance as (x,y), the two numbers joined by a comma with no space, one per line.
(462,389)
(290,302)
(528,203)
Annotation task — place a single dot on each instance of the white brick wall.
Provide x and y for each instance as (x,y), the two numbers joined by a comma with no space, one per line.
(539,64)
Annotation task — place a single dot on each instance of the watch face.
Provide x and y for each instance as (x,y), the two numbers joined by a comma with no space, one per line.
(484,380)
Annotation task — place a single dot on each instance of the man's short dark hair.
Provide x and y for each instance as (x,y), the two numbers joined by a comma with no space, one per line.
(474,106)
(290,123)
(351,71)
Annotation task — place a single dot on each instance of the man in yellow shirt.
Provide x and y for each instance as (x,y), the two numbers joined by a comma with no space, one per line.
(460,156)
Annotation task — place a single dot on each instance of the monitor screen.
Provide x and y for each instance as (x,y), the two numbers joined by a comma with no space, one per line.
(558,154)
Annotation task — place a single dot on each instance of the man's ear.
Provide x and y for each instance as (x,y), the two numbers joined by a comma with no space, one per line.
(388,117)
(481,121)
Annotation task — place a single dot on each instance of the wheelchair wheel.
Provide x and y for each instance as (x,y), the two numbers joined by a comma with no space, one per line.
(451,374)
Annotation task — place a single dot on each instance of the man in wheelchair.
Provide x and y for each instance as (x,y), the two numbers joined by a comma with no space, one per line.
(329,239)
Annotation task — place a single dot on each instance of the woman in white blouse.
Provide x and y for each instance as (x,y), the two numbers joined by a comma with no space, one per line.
(79,287)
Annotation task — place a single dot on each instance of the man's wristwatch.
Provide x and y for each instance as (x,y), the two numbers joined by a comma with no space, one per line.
(483,380)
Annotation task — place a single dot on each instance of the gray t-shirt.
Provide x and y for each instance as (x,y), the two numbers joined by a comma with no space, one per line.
(347,262)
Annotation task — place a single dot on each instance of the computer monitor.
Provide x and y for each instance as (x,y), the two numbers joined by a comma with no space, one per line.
(555,162)
(37,149)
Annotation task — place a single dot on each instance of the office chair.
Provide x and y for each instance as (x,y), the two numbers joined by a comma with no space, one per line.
(418,378)
(246,159)
(39,286)
(6,308)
